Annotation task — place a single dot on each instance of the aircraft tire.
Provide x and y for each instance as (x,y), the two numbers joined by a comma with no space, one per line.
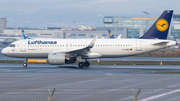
(86,64)
(81,64)
(24,64)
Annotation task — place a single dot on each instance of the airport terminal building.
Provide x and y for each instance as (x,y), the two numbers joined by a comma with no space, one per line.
(175,32)
(127,27)
(3,24)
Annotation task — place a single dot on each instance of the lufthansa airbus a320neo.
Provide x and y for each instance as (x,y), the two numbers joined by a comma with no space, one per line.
(67,51)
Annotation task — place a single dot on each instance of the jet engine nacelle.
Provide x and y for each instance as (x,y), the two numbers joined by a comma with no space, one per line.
(56,58)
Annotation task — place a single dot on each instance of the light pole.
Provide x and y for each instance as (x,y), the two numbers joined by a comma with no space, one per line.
(28,26)
(115,27)
(74,29)
(74,24)
(146,18)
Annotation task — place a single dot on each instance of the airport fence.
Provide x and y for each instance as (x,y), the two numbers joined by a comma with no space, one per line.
(88,94)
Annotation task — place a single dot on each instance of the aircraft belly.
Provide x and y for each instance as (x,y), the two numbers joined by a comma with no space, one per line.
(29,55)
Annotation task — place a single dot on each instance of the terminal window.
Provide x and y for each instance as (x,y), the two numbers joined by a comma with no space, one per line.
(82,34)
(108,20)
(73,34)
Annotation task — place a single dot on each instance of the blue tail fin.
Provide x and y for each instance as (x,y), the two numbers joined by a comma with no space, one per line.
(160,28)
(24,36)
(110,34)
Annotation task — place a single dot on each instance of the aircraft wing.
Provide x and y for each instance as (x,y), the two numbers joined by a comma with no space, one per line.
(119,36)
(84,50)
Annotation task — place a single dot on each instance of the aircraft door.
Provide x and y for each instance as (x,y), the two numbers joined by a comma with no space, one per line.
(138,46)
(23,46)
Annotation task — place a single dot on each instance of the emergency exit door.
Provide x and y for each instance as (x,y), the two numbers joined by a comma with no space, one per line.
(23,46)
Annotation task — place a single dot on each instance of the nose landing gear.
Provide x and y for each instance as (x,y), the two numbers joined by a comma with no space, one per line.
(25,62)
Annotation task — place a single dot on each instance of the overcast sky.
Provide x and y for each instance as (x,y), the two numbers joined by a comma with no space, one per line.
(63,13)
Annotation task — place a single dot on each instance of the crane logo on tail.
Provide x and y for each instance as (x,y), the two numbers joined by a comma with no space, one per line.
(110,34)
(162,25)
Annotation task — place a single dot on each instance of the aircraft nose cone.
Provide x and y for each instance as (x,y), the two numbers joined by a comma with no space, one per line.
(4,52)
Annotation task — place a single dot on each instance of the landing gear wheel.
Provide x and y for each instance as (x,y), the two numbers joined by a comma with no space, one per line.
(86,64)
(25,64)
(81,64)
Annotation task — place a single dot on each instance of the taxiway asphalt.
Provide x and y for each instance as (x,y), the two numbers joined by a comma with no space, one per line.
(96,83)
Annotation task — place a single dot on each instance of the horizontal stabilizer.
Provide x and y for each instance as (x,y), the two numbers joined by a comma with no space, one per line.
(161,42)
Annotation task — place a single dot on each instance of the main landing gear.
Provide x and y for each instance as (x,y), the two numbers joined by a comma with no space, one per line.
(25,62)
(82,64)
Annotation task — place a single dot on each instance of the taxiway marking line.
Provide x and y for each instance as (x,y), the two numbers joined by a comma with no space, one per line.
(159,95)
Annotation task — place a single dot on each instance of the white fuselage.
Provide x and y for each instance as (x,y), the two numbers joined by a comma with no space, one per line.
(106,48)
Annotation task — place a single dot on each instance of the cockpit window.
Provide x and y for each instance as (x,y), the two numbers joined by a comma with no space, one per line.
(12,45)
